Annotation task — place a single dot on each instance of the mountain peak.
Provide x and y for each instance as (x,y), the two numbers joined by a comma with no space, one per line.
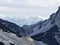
(49,33)
(59,8)
(57,18)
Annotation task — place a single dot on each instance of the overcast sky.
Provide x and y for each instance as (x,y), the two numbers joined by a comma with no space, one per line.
(26,8)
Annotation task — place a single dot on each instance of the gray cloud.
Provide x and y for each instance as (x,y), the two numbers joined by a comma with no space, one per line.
(23,9)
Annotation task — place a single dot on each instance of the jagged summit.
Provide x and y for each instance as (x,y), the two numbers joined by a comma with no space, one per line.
(50,29)
(57,18)
(58,8)
(53,20)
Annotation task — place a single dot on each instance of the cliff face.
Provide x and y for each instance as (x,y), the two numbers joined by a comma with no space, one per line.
(57,19)
(12,39)
(50,30)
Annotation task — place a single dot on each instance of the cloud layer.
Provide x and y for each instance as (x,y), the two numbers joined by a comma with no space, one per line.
(36,3)
(26,8)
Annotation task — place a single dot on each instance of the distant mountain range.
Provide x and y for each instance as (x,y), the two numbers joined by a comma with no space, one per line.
(22,21)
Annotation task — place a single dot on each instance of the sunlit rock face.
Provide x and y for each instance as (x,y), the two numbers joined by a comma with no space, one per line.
(28,41)
(12,39)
